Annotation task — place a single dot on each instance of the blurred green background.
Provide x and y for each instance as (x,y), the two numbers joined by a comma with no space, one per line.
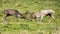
(26,26)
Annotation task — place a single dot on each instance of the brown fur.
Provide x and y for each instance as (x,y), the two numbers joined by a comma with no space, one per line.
(31,16)
(11,12)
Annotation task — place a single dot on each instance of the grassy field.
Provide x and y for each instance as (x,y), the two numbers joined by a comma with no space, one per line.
(26,26)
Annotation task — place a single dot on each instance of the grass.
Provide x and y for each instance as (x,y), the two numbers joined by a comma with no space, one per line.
(26,26)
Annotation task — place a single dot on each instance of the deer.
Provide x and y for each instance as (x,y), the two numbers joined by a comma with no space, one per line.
(13,12)
(43,13)
(38,16)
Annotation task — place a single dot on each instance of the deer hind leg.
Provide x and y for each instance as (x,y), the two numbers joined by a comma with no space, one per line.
(4,17)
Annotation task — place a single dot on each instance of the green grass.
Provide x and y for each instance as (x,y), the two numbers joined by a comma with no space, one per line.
(26,26)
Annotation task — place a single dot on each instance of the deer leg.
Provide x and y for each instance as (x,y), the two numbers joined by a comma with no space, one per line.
(52,16)
(16,16)
(35,18)
(4,17)
(41,18)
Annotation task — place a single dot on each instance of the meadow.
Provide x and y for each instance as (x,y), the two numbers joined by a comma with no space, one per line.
(30,27)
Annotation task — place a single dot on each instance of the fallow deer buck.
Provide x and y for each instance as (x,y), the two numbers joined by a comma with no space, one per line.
(44,13)
(39,15)
(13,12)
